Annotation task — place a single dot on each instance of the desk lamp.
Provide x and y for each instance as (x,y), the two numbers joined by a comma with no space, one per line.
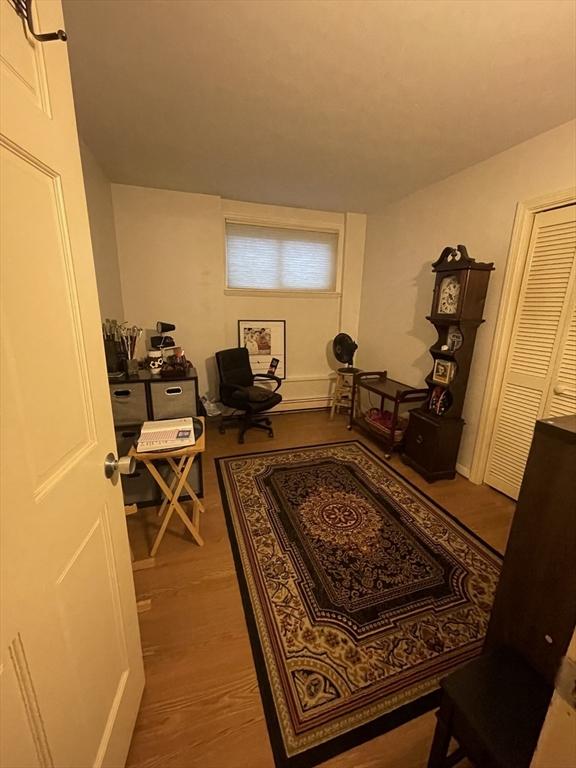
(163,341)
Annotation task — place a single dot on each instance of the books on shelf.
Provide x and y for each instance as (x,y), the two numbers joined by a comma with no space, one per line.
(166,435)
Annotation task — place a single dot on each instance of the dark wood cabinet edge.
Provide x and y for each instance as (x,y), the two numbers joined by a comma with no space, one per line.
(145,377)
(436,419)
(430,477)
(453,320)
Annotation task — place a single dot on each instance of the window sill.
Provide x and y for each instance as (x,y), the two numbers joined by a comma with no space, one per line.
(282,294)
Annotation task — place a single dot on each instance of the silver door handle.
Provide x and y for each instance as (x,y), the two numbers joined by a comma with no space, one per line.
(125,465)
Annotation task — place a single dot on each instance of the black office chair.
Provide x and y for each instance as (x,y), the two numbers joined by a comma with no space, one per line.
(237,390)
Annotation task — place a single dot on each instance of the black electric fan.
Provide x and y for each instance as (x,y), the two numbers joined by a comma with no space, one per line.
(344,348)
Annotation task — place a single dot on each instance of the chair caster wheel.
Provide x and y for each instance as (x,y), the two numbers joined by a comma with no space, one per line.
(270,434)
(267,421)
(348,428)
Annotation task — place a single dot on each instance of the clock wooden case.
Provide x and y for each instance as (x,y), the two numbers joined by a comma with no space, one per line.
(435,430)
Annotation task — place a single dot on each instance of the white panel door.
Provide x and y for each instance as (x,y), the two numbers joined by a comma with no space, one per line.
(71,673)
(540,376)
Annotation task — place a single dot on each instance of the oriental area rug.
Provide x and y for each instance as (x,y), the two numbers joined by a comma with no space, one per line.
(359,591)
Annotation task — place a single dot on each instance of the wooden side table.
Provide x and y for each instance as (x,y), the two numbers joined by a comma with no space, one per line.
(394,399)
(180,462)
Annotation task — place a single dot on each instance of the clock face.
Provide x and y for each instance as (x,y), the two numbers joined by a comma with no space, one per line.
(448,295)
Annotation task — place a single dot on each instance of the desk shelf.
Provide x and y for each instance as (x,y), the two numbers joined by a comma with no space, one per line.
(145,397)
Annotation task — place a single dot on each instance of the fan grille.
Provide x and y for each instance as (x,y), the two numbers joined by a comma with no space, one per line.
(344,348)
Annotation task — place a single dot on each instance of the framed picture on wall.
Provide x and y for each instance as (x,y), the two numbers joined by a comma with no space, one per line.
(265,341)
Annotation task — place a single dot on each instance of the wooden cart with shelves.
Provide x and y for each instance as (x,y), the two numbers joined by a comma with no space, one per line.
(386,421)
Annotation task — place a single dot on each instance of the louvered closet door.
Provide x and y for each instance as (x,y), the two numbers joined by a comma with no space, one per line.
(540,377)
(562,395)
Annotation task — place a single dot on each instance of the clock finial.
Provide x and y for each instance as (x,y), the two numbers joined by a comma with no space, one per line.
(464,252)
(456,256)
(447,255)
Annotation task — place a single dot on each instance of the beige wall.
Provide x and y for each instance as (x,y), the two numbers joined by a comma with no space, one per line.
(101,216)
(475,207)
(172,264)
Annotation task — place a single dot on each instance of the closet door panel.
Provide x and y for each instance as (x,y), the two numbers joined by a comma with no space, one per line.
(540,342)
(562,396)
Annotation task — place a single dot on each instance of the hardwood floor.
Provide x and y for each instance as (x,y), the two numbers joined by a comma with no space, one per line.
(201,706)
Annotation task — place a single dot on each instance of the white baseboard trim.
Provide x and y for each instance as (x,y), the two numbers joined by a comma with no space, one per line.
(462,470)
(302,409)
(302,403)
(319,377)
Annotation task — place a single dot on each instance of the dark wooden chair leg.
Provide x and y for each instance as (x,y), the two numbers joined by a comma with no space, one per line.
(442,735)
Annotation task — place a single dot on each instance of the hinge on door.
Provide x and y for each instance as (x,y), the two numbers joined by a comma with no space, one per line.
(24,9)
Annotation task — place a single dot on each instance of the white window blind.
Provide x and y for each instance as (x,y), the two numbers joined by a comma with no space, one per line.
(279,259)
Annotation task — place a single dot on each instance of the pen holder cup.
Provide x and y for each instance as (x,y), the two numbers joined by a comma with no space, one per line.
(114,356)
(131,367)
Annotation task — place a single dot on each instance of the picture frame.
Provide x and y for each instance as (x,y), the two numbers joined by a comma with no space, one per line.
(443,372)
(266,344)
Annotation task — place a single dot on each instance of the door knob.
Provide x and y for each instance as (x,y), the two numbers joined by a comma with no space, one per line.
(561,389)
(125,465)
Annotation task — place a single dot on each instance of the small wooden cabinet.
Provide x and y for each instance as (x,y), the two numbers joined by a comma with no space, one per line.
(151,398)
(431,447)
(435,429)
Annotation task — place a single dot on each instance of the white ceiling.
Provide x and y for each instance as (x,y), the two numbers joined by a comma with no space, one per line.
(334,104)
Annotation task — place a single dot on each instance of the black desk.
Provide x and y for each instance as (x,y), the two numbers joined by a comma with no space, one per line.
(148,397)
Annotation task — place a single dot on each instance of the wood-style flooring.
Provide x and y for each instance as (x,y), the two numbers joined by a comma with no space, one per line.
(201,706)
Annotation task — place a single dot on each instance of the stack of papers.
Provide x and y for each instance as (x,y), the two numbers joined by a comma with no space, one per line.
(166,435)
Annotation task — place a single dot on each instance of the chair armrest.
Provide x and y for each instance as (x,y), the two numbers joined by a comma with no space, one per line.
(269,377)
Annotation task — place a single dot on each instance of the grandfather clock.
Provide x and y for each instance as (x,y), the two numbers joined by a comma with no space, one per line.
(434,430)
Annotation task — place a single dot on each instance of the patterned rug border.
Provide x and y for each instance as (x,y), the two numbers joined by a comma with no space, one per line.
(380,725)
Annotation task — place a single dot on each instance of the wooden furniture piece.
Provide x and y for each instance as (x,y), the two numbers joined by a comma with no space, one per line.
(180,462)
(342,395)
(146,397)
(144,604)
(386,421)
(434,431)
(238,390)
(142,563)
(495,706)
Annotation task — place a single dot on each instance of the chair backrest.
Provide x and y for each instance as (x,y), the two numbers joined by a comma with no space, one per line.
(234,367)
(535,604)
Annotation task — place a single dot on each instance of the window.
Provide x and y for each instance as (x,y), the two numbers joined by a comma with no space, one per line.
(278,259)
